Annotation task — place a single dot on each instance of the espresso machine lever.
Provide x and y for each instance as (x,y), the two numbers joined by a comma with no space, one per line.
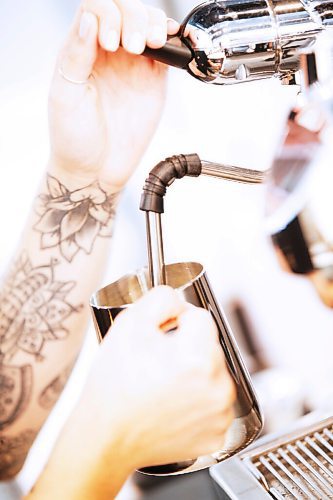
(233,41)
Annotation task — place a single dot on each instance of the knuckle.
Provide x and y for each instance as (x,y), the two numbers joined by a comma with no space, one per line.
(231,387)
(201,318)
(158,15)
(233,392)
(224,394)
(218,442)
(229,392)
(125,318)
(221,425)
(105,10)
(226,421)
(164,293)
(136,10)
(215,444)
(114,16)
(95,5)
(218,362)
(215,362)
(72,57)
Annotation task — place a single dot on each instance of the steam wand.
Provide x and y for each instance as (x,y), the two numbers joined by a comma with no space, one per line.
(156,262)
(232,173)
(154,190)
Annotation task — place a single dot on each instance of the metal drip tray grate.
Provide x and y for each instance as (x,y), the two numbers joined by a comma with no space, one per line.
(296,466)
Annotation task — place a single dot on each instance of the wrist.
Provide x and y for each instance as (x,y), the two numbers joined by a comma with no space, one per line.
(108,432)
(77,178)
(75,214)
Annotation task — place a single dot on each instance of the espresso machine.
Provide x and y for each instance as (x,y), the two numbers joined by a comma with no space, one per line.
(233,41)
(225,43)
(297,463)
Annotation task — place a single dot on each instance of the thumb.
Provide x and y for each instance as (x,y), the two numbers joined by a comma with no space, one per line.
(78,56)
(160,305)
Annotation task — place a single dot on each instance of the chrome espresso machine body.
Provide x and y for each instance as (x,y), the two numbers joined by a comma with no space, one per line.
(232,41)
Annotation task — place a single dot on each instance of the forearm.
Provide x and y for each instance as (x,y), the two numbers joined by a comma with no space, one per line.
(44,304)
(87,463)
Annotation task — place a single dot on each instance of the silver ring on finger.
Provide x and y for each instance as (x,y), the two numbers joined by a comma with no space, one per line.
(72,80)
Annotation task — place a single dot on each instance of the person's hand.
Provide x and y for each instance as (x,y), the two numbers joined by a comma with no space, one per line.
(168,396)
(102,121)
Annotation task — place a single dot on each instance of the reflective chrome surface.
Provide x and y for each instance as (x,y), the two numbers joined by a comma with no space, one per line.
(300,201)
(241,40)
(155,249)
(295,465)
(191,281)
(233,173)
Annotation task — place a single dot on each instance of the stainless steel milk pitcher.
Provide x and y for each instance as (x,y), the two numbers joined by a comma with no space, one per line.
(190,279)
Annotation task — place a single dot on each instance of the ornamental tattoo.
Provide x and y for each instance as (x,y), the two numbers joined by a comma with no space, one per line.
(15,390)
(33,310)
(13,451)
(73,220)
(49,396)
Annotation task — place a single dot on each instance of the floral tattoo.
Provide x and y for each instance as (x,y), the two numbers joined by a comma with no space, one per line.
(33,310)
(73,220)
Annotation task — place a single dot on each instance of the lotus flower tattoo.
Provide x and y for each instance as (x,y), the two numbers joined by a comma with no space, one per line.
(73,220)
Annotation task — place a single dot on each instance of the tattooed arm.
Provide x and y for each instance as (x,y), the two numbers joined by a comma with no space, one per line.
(43,310)
(105,103)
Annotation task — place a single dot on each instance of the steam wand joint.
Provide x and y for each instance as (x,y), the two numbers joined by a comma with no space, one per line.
(163,175)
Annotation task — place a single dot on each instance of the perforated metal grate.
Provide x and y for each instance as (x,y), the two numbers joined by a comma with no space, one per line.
(299,467)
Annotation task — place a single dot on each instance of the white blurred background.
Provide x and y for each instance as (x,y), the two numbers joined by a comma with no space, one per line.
(217,223)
